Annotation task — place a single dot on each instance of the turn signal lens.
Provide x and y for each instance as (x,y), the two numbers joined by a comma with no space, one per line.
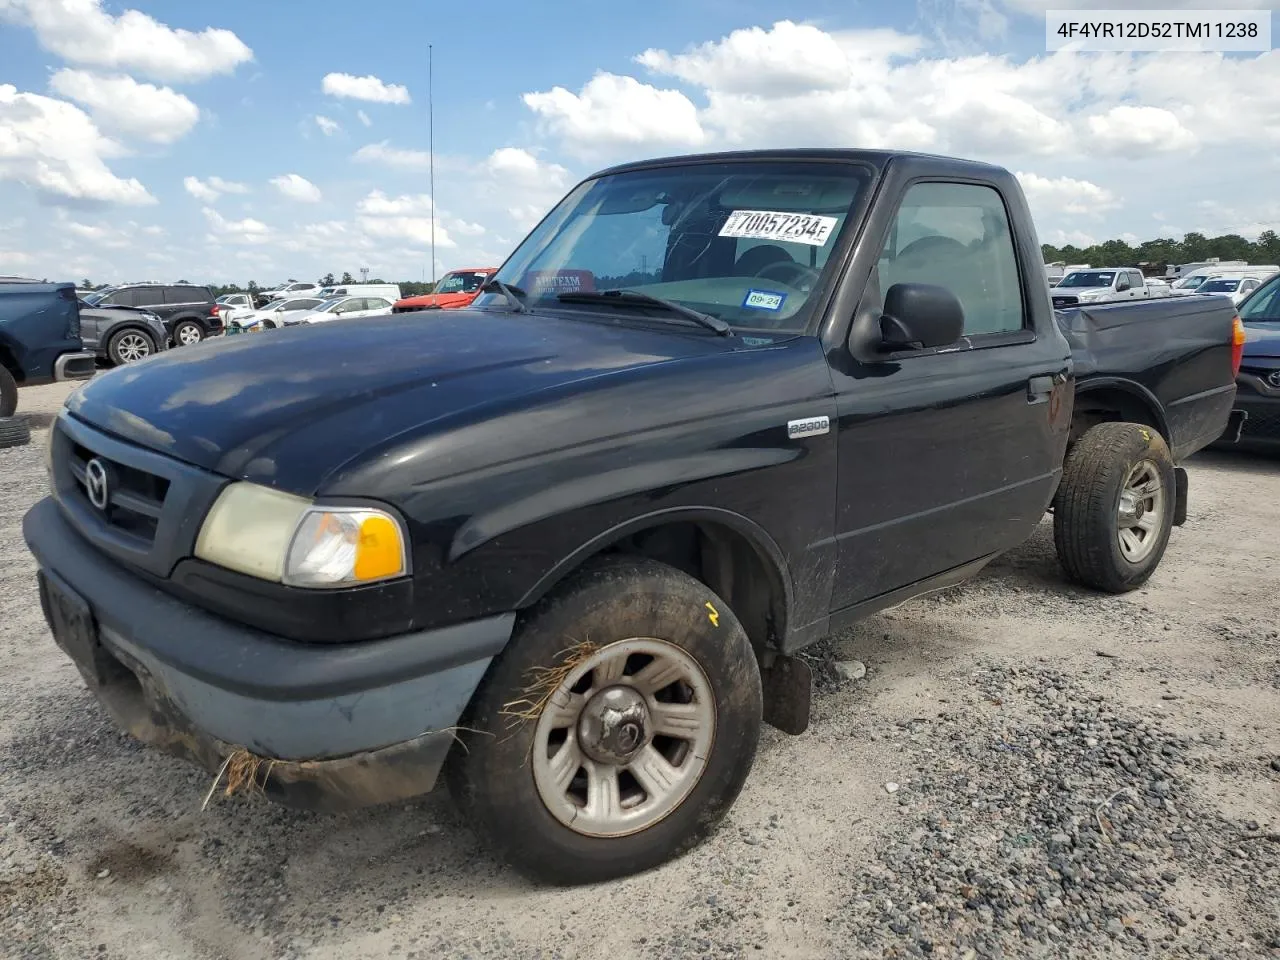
(1237,345)
(335,547)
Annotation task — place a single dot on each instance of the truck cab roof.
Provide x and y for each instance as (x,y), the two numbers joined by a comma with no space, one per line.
(878,159)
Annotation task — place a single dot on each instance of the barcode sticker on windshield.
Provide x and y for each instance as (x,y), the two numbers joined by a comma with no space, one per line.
(807,228)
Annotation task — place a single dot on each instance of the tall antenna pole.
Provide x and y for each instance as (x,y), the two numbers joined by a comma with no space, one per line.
(431,159)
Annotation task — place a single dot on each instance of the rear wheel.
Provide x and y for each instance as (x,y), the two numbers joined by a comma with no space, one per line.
(188,332)
(128,346)
(8,393)
(615,730)
(1114,510)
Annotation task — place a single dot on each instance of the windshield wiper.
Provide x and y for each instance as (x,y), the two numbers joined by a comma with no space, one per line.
(515,296)
(644,299)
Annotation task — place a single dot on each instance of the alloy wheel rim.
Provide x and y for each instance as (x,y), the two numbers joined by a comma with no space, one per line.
(133,346)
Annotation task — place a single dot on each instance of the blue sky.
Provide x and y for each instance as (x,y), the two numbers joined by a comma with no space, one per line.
(236,140)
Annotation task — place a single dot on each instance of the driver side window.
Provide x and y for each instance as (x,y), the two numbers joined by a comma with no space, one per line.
(957,236)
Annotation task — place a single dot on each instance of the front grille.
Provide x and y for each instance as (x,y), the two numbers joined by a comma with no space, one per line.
(1262,424)
(1065,301)
(134,498)
(139,506)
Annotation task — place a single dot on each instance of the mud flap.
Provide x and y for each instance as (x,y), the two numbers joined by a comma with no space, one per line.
(788,690)
(1181,487)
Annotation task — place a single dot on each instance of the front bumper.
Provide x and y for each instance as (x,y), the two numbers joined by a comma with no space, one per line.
(1258,402)
(337,726)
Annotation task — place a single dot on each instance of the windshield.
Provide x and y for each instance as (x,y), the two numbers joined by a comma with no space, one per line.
(307,303)
(1087,280)
(1263,305)
(329,304)
(1189,283)
(1219,286)
(93,299)
(746,242)
(463,282)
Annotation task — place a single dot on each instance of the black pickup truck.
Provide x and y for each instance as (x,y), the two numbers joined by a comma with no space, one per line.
(39,342)
(561,546)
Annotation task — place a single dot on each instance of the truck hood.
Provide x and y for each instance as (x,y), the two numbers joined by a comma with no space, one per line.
(288,408)
(443,300)
(1262,340)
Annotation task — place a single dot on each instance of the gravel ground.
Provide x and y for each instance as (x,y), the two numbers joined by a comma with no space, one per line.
(1026,770)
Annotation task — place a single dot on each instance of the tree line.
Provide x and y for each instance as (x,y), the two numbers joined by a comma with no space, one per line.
(409,288)
(1155,255)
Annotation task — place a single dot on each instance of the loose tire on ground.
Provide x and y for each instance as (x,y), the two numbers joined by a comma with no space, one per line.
(187,333)
(1114,509)
(8,393)
(641,621)
(14,432)
(128,346)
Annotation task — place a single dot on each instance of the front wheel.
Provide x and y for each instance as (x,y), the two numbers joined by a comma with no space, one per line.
(615,730)
(129,346)
(188,332)
(1114,509)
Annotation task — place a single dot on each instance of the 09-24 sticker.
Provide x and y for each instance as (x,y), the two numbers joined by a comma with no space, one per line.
(809,228)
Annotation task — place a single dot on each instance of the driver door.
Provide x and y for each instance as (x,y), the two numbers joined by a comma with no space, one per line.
(950,455)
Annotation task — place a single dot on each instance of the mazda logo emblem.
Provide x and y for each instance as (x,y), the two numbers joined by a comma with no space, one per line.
(1274,379)
(96,484)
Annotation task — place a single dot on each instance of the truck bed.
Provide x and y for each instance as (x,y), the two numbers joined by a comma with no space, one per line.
(1172,354)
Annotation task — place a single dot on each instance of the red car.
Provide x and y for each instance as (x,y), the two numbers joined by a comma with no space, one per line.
(455,289)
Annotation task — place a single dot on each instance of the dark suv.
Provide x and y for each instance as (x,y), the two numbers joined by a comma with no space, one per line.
(189,312)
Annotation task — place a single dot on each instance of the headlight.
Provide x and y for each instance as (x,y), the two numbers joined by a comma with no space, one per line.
(276,536)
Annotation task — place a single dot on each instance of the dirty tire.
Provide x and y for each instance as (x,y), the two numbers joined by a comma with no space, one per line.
(1086,522)
(8,393)
(14,432)
(490,770)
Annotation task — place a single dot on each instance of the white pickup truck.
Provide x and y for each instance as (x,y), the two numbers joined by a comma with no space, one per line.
(1102,285)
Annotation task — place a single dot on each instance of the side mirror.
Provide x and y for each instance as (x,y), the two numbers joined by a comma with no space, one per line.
(920,315)
(1122,285)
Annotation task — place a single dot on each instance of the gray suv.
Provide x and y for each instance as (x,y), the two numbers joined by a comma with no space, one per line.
(189,312)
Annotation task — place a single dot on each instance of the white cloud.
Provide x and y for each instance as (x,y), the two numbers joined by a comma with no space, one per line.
(80,31)
(521,168)
(378,204)
(415,231)
(391,156)
(227,186)
(122,104)
(788,59)
(1057,195)
(11,258)
(237,231)
(207,191)
(614,110)
(364,118)
(1137,132)
(297,188)
(327,127)
(408,218)
(53,148)
(369,88)
(1040,6)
